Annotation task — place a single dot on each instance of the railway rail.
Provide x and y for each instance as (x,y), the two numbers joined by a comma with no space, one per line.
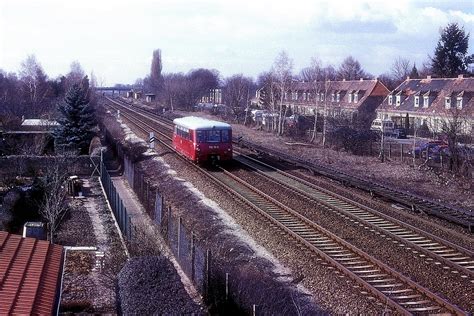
(441,250)
(460,216)
(388,285)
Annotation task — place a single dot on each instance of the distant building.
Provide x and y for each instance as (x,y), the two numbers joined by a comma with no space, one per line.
(137,95)
(341,98)
(130,94)
(150,97)
(430,102)
(213,96)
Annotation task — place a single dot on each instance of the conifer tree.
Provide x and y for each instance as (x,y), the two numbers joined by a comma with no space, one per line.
(76,126)
(450,56)
(414,73)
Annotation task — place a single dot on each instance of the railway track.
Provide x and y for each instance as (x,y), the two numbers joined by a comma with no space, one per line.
(459,259)
(459,216)
(388,285)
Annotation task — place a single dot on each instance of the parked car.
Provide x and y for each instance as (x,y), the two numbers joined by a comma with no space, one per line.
(420,150)
(380,125)
(399,133)
(435,152)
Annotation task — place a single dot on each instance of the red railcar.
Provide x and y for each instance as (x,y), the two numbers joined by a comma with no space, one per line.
(202,140)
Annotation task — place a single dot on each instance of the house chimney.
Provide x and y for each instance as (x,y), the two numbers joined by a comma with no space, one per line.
(461,76)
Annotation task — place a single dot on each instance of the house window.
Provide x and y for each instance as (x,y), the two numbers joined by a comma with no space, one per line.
(397,102)
(447,102)
(309,95)
(426,100)
(333,97)
(390,100)
(417,101)
(349,97)
(304,96)
(459,102)
(338,97)
(322,96)
(356,98)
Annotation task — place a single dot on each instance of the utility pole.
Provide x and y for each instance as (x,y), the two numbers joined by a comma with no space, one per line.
(382,144)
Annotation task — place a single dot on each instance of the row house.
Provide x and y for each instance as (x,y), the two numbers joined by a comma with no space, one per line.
(347,97)
(430,102)
(212,96)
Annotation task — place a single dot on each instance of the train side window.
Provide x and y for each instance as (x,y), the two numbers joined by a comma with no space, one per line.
(200,136)
(225,136)
(214,136)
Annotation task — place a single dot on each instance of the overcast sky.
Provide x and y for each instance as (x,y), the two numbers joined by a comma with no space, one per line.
(115,39)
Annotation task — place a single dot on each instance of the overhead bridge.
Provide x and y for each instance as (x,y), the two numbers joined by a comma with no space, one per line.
(113,90)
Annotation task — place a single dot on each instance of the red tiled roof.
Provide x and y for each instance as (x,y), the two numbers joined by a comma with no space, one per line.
(30,273)
(438,89)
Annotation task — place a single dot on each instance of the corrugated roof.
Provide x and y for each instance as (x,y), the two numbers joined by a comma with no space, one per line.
(30,274)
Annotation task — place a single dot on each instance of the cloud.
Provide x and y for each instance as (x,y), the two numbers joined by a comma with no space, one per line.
(116,39)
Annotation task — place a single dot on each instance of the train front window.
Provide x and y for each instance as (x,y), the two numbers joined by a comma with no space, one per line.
(213,136)
(225,136)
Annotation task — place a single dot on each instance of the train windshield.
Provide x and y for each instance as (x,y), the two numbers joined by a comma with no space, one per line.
(213,136)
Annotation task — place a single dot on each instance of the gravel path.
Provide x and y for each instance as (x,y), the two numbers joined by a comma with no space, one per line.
(87,279)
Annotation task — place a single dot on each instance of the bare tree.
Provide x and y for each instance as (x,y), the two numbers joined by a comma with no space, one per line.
(237,90)
(75,75)
(54,206)
(313,74)
(400,69)
(282,70)
(454,126)
(34,83)
(350,69)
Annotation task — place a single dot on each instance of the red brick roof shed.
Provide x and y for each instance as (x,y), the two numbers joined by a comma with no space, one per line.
(30,275)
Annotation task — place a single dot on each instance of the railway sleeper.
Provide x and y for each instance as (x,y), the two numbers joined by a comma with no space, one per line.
(409,303)
(416,238)
(380,281)
(391,285)
(356,262)
(365,271)
(406,297)
(428,245)
(373,276)
(342,259)
(406,290)
(424,309)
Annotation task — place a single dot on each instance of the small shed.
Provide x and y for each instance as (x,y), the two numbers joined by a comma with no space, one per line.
(137,95)
(150,97)
(130,94)
(38,125)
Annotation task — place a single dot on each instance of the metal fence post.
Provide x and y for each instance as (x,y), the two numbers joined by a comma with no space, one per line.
(179,236)
(192,257)
(208,268)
